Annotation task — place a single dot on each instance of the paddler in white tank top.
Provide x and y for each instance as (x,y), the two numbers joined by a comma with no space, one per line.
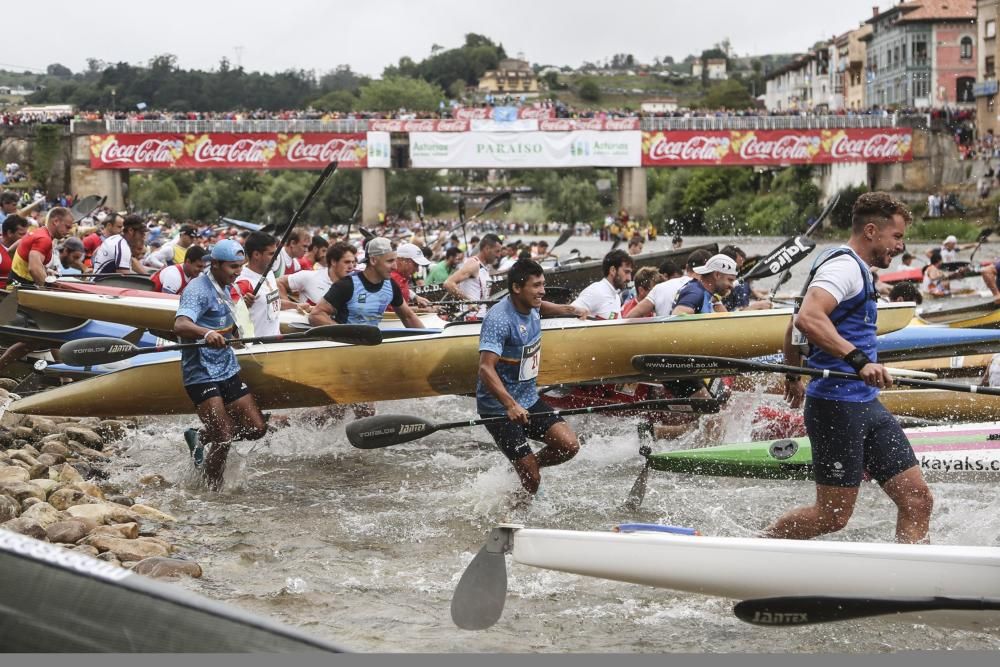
(472,281)
(267,304)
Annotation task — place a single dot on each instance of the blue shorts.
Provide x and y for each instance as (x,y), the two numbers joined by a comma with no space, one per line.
(512,439)
(229,390)
(849,439)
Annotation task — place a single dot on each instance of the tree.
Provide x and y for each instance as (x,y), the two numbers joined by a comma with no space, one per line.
(341,78)
(335,100)
(730,94)
(589,91)
(394,93)
(58,69)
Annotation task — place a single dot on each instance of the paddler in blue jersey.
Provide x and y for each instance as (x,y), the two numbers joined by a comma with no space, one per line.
(510,352)
(362,298)
(211,374)
(850,431)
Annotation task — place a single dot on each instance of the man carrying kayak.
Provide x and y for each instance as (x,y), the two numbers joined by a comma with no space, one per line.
(510,349)
(603,299)
(851,432)
(211,374)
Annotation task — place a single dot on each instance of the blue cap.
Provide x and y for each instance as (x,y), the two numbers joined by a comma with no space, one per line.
(228,251)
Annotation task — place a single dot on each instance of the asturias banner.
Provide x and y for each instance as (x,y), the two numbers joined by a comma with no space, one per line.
(519,150)
(777,147)
(216,150)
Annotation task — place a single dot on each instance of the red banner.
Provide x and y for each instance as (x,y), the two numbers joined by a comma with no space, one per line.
(777,147)
(216,150)
(573,124)
(419,125)
(501,113)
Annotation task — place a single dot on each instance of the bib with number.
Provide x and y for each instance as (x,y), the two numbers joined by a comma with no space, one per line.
(531,356)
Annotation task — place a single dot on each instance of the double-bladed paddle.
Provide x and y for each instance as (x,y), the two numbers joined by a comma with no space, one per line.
(682,365)
(103,350)
(808,609)
(387,430)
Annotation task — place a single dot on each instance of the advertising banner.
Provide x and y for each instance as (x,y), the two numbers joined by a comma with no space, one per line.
(775,147)
(569,124)
(215,150)
(419,125)
(525,150)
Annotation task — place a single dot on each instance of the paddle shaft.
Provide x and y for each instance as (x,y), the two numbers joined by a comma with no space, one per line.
(327,172)
(639,405)
(802,610)
(299,335)
(746,364)
(819,221)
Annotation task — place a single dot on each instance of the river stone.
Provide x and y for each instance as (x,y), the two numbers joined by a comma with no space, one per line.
(125,549)
(31,449)
(111,430)
(85,436)
(8,384)
(87,549)
(109,557)
(66,532)
(84,469)
(121,500)
(28,527)
(9,508)
(22,433)
(47,485)
(66,497)
(159,566)
(147,512)
(13,474)
(6,438)
(90,489)
(87,452)
(24,456)
(38,471)
(128,531)
(58,438)
(43,429)
(152,539)
(103,513)
(21,490)
(65,473)
(44,513)
(20,464)
(29,502)
(49,460)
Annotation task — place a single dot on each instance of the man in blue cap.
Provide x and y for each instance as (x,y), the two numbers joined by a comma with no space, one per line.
(211,374)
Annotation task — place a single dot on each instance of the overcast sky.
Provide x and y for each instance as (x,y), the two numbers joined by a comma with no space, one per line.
(370,34)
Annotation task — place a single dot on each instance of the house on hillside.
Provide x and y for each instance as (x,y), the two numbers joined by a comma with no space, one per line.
(511,77)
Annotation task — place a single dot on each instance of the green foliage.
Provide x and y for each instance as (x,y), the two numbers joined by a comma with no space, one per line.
(575,201)
(728,216)
(589,90)
(939,228)
(772,214)
(402,187)
(394,93)
(841,214)
(336,100)
(729,94)
(531,212)
(467,63)
(44,151)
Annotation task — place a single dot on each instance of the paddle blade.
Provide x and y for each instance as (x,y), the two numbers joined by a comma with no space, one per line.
(84,207)
(387,430)
(638,492)
(785,256)
(94,351)
(565,236)
(352,334)
(481,592)
(501,198)
(804,610)
(681,366)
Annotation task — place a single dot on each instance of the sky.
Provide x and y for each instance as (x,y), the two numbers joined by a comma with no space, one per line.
(370,34)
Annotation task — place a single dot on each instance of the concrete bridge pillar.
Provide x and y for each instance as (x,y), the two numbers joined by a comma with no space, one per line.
(372,195)
(632,191)
(85,181)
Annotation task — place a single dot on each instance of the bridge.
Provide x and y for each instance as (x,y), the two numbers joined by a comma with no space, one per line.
(931,159)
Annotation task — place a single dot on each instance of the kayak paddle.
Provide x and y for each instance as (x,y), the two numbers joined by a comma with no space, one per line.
(103,350)
(983,235)
(638,491)
(387,430)
(682,365)
(807,609)
(789,253)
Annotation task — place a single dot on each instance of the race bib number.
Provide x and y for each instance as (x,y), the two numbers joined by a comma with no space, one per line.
(530,361)
(273,305)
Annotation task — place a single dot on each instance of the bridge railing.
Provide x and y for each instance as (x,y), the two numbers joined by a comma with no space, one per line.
(916,121)
(195,126)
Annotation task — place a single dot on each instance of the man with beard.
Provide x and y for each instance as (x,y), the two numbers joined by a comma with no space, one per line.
(603,298)
(852,434)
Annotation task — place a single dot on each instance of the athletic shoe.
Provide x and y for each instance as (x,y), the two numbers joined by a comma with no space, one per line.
(194,446)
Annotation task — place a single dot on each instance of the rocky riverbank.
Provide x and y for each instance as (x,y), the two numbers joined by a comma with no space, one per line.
(54,488)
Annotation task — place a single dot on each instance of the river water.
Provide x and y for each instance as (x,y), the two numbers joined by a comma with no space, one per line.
(365,547)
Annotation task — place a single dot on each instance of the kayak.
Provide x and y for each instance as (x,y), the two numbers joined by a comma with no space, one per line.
(142,615)
(959,365)
(982,314)
(941,404)
(148,310)
(290,375)
(577,275)
(746,568)
(901,276)
(923,342)
(968,452)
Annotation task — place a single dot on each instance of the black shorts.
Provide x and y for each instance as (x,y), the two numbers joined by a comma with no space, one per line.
(849,439)
(231,389)
(512,439)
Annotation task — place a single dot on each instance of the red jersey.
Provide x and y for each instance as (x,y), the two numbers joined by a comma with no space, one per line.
(5,264)
(404,287)
(40,241)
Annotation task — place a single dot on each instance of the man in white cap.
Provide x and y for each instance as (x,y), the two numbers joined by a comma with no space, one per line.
(950,249)
(409,259)
(704,293)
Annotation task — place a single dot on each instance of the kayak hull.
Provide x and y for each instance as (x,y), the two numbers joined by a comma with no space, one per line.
(289,375)
(967,453)
(941,404)
(719,566)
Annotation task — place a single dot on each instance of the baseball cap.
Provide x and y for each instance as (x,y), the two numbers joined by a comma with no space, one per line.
(411,251)
(951,239)
(188,230)
(378,246)
(720,263)
(228,251)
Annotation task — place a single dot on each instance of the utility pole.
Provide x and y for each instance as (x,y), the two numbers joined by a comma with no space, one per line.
(239,56)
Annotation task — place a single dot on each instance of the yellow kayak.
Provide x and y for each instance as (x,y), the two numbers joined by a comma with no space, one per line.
(942,404)
(292,375)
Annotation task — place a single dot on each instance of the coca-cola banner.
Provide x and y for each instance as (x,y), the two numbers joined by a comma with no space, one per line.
(502,113)
(216,150)
(419,125)
(777,147)
(524,150)
(570,124)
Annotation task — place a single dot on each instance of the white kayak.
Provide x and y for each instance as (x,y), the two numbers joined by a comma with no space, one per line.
(746,568)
